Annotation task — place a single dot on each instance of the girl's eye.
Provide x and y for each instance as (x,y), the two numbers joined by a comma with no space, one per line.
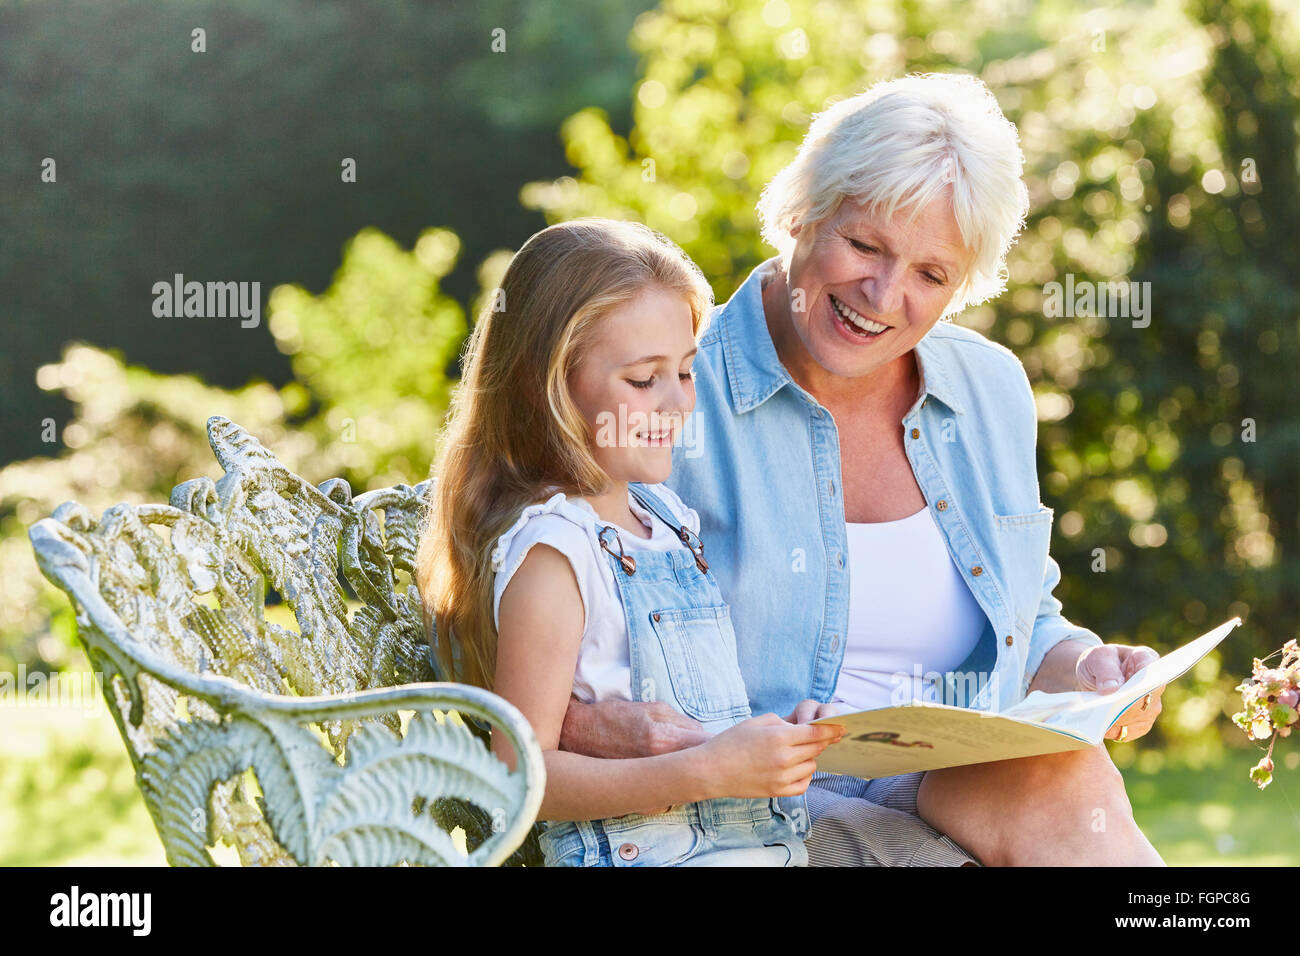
(646,384)
(687,376)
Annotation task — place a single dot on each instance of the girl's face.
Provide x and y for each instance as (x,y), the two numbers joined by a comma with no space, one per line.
(634,386)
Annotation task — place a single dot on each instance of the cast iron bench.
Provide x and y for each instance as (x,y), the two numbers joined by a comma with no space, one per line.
(331,743)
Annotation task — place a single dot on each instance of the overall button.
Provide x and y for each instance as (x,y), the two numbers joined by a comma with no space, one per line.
(628,851)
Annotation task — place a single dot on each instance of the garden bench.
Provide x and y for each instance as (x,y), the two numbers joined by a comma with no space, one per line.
(332,742)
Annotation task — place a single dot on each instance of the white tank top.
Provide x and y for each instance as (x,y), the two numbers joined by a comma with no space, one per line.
(911,615)
(604,670)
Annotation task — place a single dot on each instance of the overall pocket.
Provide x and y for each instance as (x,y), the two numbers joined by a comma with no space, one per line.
(637,840)
(699,648)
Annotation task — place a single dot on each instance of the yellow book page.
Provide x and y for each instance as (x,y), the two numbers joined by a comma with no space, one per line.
(921,736)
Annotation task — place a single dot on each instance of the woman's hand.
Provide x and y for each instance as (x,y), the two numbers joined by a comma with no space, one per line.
(1104,669)
(766,756)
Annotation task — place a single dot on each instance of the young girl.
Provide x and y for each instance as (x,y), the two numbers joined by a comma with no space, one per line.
(575,385)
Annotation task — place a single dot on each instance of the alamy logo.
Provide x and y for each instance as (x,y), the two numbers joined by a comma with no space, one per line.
(102,909)
(1107,300)
(954,688)
(638,429)
(208,300)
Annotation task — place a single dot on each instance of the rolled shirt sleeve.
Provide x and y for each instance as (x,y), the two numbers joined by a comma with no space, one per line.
(1051,627)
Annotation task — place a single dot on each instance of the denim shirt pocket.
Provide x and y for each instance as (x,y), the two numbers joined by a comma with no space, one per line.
(699,648)
(1023,541)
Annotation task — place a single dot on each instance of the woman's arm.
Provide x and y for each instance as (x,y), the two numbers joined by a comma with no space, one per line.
(540,624)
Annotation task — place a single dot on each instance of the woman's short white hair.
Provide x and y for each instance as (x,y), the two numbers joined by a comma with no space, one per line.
(896,146)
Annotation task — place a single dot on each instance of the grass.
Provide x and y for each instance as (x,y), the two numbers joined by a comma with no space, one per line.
(68,798)
(1214,816)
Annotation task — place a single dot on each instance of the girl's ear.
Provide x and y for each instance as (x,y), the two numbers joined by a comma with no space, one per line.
(796,229)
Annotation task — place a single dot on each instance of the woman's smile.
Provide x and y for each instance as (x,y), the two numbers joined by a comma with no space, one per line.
(853,324)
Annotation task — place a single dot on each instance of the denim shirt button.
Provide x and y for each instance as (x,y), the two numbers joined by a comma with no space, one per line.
(941,505)
(835,643)
(977,570)
(839,558)
(1010,640)
(916,433)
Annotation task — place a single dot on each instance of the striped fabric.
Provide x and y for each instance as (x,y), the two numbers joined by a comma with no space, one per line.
(874,823)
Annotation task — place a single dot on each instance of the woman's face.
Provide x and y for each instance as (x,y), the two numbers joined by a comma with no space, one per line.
(634,386)
(864,291)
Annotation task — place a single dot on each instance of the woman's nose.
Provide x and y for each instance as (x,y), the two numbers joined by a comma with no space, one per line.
(884,291)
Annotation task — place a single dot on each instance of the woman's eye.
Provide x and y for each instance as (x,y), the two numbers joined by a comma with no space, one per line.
(646,384)
(862,246)
(933,279)
(687,376)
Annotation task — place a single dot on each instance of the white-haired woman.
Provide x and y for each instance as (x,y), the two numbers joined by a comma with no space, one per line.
(865,476)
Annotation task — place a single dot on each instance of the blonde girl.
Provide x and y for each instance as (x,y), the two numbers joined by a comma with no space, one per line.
(557,565)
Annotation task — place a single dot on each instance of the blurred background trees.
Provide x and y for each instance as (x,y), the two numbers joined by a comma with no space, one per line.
(1160,143)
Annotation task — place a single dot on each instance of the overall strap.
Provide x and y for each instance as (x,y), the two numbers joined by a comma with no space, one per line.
(652,503)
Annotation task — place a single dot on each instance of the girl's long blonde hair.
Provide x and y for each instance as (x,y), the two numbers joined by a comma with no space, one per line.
(513,431)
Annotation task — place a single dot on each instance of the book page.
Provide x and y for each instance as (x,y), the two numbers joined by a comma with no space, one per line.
(925,736)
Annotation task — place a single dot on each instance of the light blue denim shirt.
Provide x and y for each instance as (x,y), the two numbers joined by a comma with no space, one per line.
(759,460)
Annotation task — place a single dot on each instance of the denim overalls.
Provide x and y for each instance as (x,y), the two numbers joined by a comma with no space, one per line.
(683,653)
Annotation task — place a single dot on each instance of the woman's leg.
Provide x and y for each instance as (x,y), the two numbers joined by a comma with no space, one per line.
(1066,809)
(874,823)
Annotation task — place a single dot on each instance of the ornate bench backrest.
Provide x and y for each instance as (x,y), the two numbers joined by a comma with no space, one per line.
(287,743)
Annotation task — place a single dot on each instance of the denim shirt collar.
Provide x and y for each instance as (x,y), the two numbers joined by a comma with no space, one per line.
(755,372)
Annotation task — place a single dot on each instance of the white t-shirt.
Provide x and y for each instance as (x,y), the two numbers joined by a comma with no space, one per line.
(604,666)
(911,615)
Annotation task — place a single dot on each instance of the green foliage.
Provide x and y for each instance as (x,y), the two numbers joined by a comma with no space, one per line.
(374,350)
(371,355)
(1136,123)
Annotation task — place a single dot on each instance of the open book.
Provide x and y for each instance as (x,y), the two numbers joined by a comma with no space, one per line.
(928,736)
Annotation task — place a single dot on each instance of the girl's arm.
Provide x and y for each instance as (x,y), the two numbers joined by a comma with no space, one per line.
(540,625)
(540,620)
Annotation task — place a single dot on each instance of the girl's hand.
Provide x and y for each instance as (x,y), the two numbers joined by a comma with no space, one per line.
(766,757)
(806,711)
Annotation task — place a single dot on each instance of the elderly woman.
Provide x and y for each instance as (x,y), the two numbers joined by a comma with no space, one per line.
(866,481)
